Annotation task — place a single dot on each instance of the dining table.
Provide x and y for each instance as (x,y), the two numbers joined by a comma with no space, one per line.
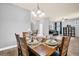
(43,49)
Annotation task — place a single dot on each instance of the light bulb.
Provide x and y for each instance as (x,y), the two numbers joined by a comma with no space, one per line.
(33,13)
(38,12)
(42,14)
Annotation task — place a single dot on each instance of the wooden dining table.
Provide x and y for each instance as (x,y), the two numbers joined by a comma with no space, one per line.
(43,49)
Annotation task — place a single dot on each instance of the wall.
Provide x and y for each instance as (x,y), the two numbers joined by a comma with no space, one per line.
(12,19)
(51,25)
(46,26)
(44,21)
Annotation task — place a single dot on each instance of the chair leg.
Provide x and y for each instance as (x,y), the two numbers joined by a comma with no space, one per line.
(20,52)
(66,54)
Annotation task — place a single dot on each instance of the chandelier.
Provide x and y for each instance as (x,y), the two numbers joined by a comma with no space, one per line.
(37,12)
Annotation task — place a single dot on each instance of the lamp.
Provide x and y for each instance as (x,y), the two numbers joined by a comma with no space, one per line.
(37,12)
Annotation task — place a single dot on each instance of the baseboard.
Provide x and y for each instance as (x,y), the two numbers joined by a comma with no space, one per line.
(9,47)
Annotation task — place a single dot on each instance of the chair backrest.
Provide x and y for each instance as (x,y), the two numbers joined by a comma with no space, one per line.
(64,46)
(25,34)
(24,47)
(18,45)
(22,44)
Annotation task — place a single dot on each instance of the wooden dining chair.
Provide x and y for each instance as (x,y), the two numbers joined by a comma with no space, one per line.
(24,47)
(25,38)
(18,45)
(63,49)
(26,34)
(64,46)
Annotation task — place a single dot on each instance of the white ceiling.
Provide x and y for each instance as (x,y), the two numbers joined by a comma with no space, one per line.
(54,10)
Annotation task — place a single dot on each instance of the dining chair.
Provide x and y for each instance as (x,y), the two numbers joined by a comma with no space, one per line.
(23,44)
(25,38)
(18,45)
(63,49)
(64,45)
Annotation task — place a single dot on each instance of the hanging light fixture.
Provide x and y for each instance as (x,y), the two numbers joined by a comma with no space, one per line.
(37,12)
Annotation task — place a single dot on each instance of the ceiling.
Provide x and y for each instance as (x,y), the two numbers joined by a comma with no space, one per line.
(54,10)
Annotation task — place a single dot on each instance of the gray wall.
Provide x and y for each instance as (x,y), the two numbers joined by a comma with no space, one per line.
(46,26)
(12,19)
(44,21)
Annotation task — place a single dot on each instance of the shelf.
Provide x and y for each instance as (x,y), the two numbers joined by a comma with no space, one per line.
(69,30)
